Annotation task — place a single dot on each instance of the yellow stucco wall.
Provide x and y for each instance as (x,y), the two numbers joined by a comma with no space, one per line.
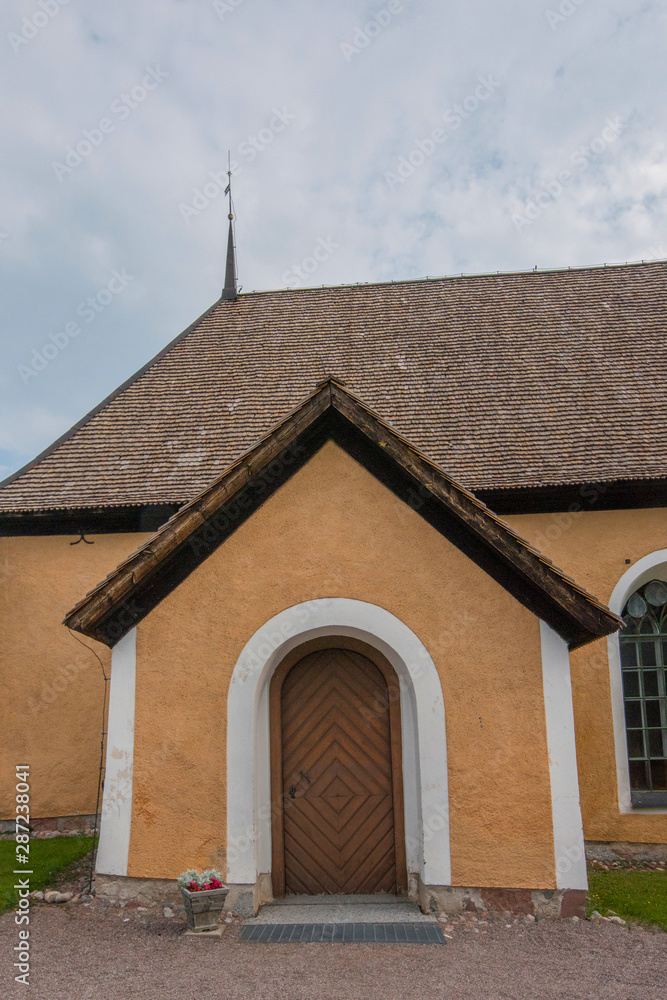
(334,531)
(592,547)
(52,688)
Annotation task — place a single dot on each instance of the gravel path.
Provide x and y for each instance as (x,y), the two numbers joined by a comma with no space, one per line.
(106,953)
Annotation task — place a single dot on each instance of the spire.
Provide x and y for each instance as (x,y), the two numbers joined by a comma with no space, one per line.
(229,291)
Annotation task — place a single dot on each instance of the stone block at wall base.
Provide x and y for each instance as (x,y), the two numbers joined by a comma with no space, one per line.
(544,903)
(149,891)
(599,850)
(263,890)
(241,899)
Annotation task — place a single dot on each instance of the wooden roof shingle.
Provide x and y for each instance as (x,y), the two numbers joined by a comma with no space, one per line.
(507,381)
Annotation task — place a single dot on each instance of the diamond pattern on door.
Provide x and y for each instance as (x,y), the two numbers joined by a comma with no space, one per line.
(337,776)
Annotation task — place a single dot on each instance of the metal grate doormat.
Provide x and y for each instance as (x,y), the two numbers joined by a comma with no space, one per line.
(342,933)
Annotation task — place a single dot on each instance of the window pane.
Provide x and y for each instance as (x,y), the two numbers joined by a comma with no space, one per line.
(656,593)
(651,684)
(664,651)
(648,654)
(652,713)
(628,654)
(638,776)
(633,714)
(635,743)
(659,775)
(637,606)
(656,747)
(631,684)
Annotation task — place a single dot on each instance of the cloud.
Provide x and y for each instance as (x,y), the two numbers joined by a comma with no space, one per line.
(322,178)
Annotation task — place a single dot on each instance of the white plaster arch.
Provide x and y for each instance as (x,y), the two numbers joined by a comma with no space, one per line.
(652,566)
(423,734)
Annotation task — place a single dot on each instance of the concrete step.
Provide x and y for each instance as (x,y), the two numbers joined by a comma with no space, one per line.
(377,909)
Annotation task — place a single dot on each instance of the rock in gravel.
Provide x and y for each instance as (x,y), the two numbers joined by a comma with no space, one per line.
(63,897)
(616,920)
(167,912)
(76,898)
(86,898)
(50,896)
(529,918)
(37,895)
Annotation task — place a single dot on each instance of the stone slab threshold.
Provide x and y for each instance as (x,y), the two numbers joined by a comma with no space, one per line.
(382,908)
(345,933)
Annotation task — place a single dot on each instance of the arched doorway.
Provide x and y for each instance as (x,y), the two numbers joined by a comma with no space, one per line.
(336,771)
(251,815)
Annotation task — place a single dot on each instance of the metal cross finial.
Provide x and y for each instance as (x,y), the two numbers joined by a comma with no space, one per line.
(230,291)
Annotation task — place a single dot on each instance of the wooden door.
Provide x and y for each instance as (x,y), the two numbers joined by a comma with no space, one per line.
(339,787)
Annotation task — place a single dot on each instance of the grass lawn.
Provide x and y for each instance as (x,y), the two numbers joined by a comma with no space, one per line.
(639,896)
(47,859)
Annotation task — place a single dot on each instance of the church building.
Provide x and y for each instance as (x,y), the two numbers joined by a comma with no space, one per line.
(378,578)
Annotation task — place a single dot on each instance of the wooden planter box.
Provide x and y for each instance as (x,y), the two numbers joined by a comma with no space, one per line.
(203,908)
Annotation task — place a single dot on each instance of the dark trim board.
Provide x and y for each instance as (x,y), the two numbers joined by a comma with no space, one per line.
(90,520)
(621,494)
(630,494)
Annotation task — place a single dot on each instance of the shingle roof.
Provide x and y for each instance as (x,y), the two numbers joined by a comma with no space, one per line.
(159,565)
(504,381)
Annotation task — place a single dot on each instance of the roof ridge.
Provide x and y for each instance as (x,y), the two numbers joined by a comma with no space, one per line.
(458,276)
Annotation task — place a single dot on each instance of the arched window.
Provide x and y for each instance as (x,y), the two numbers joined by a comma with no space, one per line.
(643,644)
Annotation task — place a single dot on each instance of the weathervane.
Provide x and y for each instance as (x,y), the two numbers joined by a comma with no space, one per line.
(230,290)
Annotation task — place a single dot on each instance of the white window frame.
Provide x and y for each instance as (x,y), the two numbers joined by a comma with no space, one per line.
(650,567)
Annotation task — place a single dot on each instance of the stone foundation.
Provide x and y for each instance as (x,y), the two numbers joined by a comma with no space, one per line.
(544,903)
(165,892)
(600,850)
(247,899)
(53,824)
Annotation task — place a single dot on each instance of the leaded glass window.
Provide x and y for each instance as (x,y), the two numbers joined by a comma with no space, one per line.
(644,665)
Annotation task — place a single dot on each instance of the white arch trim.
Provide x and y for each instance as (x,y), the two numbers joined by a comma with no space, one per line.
(423,734)
(649,567)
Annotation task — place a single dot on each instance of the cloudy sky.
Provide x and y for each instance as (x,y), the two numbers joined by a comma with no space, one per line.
(402,138)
